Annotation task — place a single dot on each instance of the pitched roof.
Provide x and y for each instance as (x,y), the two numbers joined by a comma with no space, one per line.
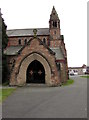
(58,53)
(27,32)
(75,67)
(12,50)
(54,15)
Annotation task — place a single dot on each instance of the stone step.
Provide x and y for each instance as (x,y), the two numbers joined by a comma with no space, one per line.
(36,85)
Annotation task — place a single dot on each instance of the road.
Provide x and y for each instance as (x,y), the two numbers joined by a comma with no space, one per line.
(48,102)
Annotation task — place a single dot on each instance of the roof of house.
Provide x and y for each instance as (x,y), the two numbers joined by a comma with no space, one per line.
(75,67)
(27,32)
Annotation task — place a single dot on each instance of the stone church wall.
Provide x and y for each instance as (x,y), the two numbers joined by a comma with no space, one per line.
(35,47)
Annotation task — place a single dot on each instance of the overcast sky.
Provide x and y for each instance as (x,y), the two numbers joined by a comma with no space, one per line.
(20,14)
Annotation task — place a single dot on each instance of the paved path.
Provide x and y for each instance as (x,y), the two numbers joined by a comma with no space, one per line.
(48,102)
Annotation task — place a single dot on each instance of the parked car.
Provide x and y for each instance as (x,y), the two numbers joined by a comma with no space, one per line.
(71,73)
(75,73)
(87,72)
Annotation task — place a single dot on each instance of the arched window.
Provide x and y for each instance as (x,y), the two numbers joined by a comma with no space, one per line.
(25,41)
(19,41)
(44,40)
(54,24)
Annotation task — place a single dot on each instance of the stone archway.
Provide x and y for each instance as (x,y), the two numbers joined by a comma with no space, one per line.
(21,78)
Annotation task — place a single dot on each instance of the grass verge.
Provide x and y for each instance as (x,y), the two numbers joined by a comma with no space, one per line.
(85,76)
(4,93)
(69,82)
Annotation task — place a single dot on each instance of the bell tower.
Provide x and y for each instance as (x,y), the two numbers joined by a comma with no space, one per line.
(54,25)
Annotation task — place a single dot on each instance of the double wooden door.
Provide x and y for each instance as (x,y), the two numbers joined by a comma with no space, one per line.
(35,72)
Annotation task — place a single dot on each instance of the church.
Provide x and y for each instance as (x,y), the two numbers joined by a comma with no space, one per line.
(37,56)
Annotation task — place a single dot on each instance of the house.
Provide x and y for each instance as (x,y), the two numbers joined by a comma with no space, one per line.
(78,70)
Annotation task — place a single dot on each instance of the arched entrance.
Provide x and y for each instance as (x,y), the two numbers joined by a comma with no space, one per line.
(22,73)
(35,73)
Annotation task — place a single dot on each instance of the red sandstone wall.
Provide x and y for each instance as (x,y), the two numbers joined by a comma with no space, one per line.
(13,41)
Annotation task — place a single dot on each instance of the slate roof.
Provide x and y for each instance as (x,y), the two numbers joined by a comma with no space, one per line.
(27,32)
(58,53)
(12,50)
(75,67)
(87,67)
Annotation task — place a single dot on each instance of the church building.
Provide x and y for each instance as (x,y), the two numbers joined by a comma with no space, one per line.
(37,56)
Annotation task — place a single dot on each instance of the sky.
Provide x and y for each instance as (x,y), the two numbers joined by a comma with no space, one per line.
(20,14)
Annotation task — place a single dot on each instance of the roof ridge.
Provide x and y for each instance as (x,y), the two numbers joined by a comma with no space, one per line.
(26,29)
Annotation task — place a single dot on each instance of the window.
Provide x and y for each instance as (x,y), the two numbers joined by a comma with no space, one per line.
(48,42)
(55,32)
(25,41)
(54,24)
(19,41)
(44,40)
(58,65)
(53,13)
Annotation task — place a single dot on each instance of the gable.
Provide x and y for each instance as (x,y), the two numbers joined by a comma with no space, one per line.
(35,44)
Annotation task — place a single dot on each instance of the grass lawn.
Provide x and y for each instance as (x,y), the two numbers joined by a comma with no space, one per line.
(87,76)
(69,82)
(4,93)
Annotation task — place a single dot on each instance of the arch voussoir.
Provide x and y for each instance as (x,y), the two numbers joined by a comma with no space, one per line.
(21,77)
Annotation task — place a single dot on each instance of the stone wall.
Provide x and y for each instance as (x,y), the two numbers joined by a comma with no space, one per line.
(14,41)
(35,51)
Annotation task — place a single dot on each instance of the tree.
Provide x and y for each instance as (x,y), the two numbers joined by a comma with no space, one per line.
(4,45)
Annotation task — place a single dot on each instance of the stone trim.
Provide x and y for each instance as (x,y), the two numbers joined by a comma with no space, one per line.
(33,53)
(21,76)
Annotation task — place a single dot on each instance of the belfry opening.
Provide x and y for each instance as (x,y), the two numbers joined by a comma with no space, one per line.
(35,73)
